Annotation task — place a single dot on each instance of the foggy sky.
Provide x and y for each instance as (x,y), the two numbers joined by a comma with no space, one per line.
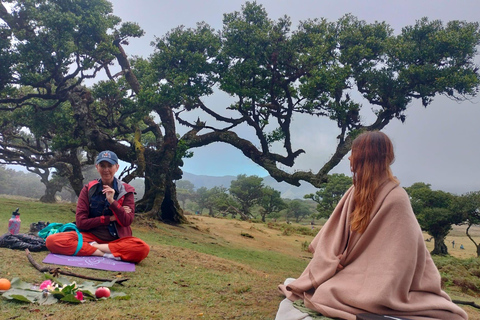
(436,145)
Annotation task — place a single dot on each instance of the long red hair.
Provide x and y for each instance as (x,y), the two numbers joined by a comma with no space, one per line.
(372,155)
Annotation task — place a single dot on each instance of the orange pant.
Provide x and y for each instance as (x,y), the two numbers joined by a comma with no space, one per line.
(128,249)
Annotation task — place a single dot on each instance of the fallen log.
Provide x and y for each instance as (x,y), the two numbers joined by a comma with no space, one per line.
(55,271)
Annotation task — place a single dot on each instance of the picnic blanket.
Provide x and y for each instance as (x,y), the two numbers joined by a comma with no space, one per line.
(385,270)
(91,262)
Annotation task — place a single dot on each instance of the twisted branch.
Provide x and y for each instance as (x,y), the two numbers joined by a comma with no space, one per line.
(55,271)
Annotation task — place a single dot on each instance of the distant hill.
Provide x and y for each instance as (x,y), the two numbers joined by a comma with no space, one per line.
(288,191)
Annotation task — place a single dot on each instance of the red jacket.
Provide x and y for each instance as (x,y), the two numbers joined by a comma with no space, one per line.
(124,220)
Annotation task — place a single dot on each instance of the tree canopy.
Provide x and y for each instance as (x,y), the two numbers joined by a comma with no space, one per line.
(49,49)
(271,72)
(298,209)
(330,193)
(271,202)
(247,190)
(435,213)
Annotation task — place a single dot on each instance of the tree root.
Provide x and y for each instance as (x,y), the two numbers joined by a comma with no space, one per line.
(468,303)
(55,271)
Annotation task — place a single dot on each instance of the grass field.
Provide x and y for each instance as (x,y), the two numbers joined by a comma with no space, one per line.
(209,269)
(458,235)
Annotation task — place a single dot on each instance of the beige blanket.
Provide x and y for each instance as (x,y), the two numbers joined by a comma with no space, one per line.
(386,270)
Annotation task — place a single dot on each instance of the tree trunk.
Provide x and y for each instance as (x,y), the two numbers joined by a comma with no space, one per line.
(161,203)
(76,178)
(71,169)
(52,186)
(50,191)
(440,248)
(245,213)
(160,198)
(170,208)
(471,239)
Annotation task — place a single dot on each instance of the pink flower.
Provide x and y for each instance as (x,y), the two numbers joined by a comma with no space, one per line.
(79,295)
(47,284)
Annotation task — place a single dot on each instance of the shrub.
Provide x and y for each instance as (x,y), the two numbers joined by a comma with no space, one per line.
(288,230)
(461,273)
(466,284)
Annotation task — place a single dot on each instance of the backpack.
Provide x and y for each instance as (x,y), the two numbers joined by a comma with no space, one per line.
(54,227)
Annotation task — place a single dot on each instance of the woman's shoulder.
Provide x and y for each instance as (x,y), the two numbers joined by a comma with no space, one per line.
(399,191)
(398,201)
(92,183)
(392,193)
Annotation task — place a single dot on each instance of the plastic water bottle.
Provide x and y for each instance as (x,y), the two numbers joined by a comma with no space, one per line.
(14,222)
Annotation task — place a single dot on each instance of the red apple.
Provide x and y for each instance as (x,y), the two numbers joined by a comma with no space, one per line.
(102,292)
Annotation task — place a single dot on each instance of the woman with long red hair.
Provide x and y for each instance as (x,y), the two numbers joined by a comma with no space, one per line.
(370,257)
(372,155)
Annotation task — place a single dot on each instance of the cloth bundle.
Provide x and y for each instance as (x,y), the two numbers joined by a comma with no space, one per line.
(22,241)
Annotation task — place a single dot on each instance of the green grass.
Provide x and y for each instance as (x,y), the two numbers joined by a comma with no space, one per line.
(263,260)
(189,274)
(195,271)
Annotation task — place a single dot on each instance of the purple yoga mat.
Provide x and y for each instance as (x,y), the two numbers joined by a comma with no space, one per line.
(91,262)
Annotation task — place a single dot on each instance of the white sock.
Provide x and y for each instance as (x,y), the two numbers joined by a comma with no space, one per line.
(111,256)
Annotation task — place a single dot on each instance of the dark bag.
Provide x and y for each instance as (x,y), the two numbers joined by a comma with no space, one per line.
(35,227)
(22,241)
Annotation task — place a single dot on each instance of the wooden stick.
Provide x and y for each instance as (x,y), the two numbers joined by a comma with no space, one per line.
(56,271)
(468,303)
